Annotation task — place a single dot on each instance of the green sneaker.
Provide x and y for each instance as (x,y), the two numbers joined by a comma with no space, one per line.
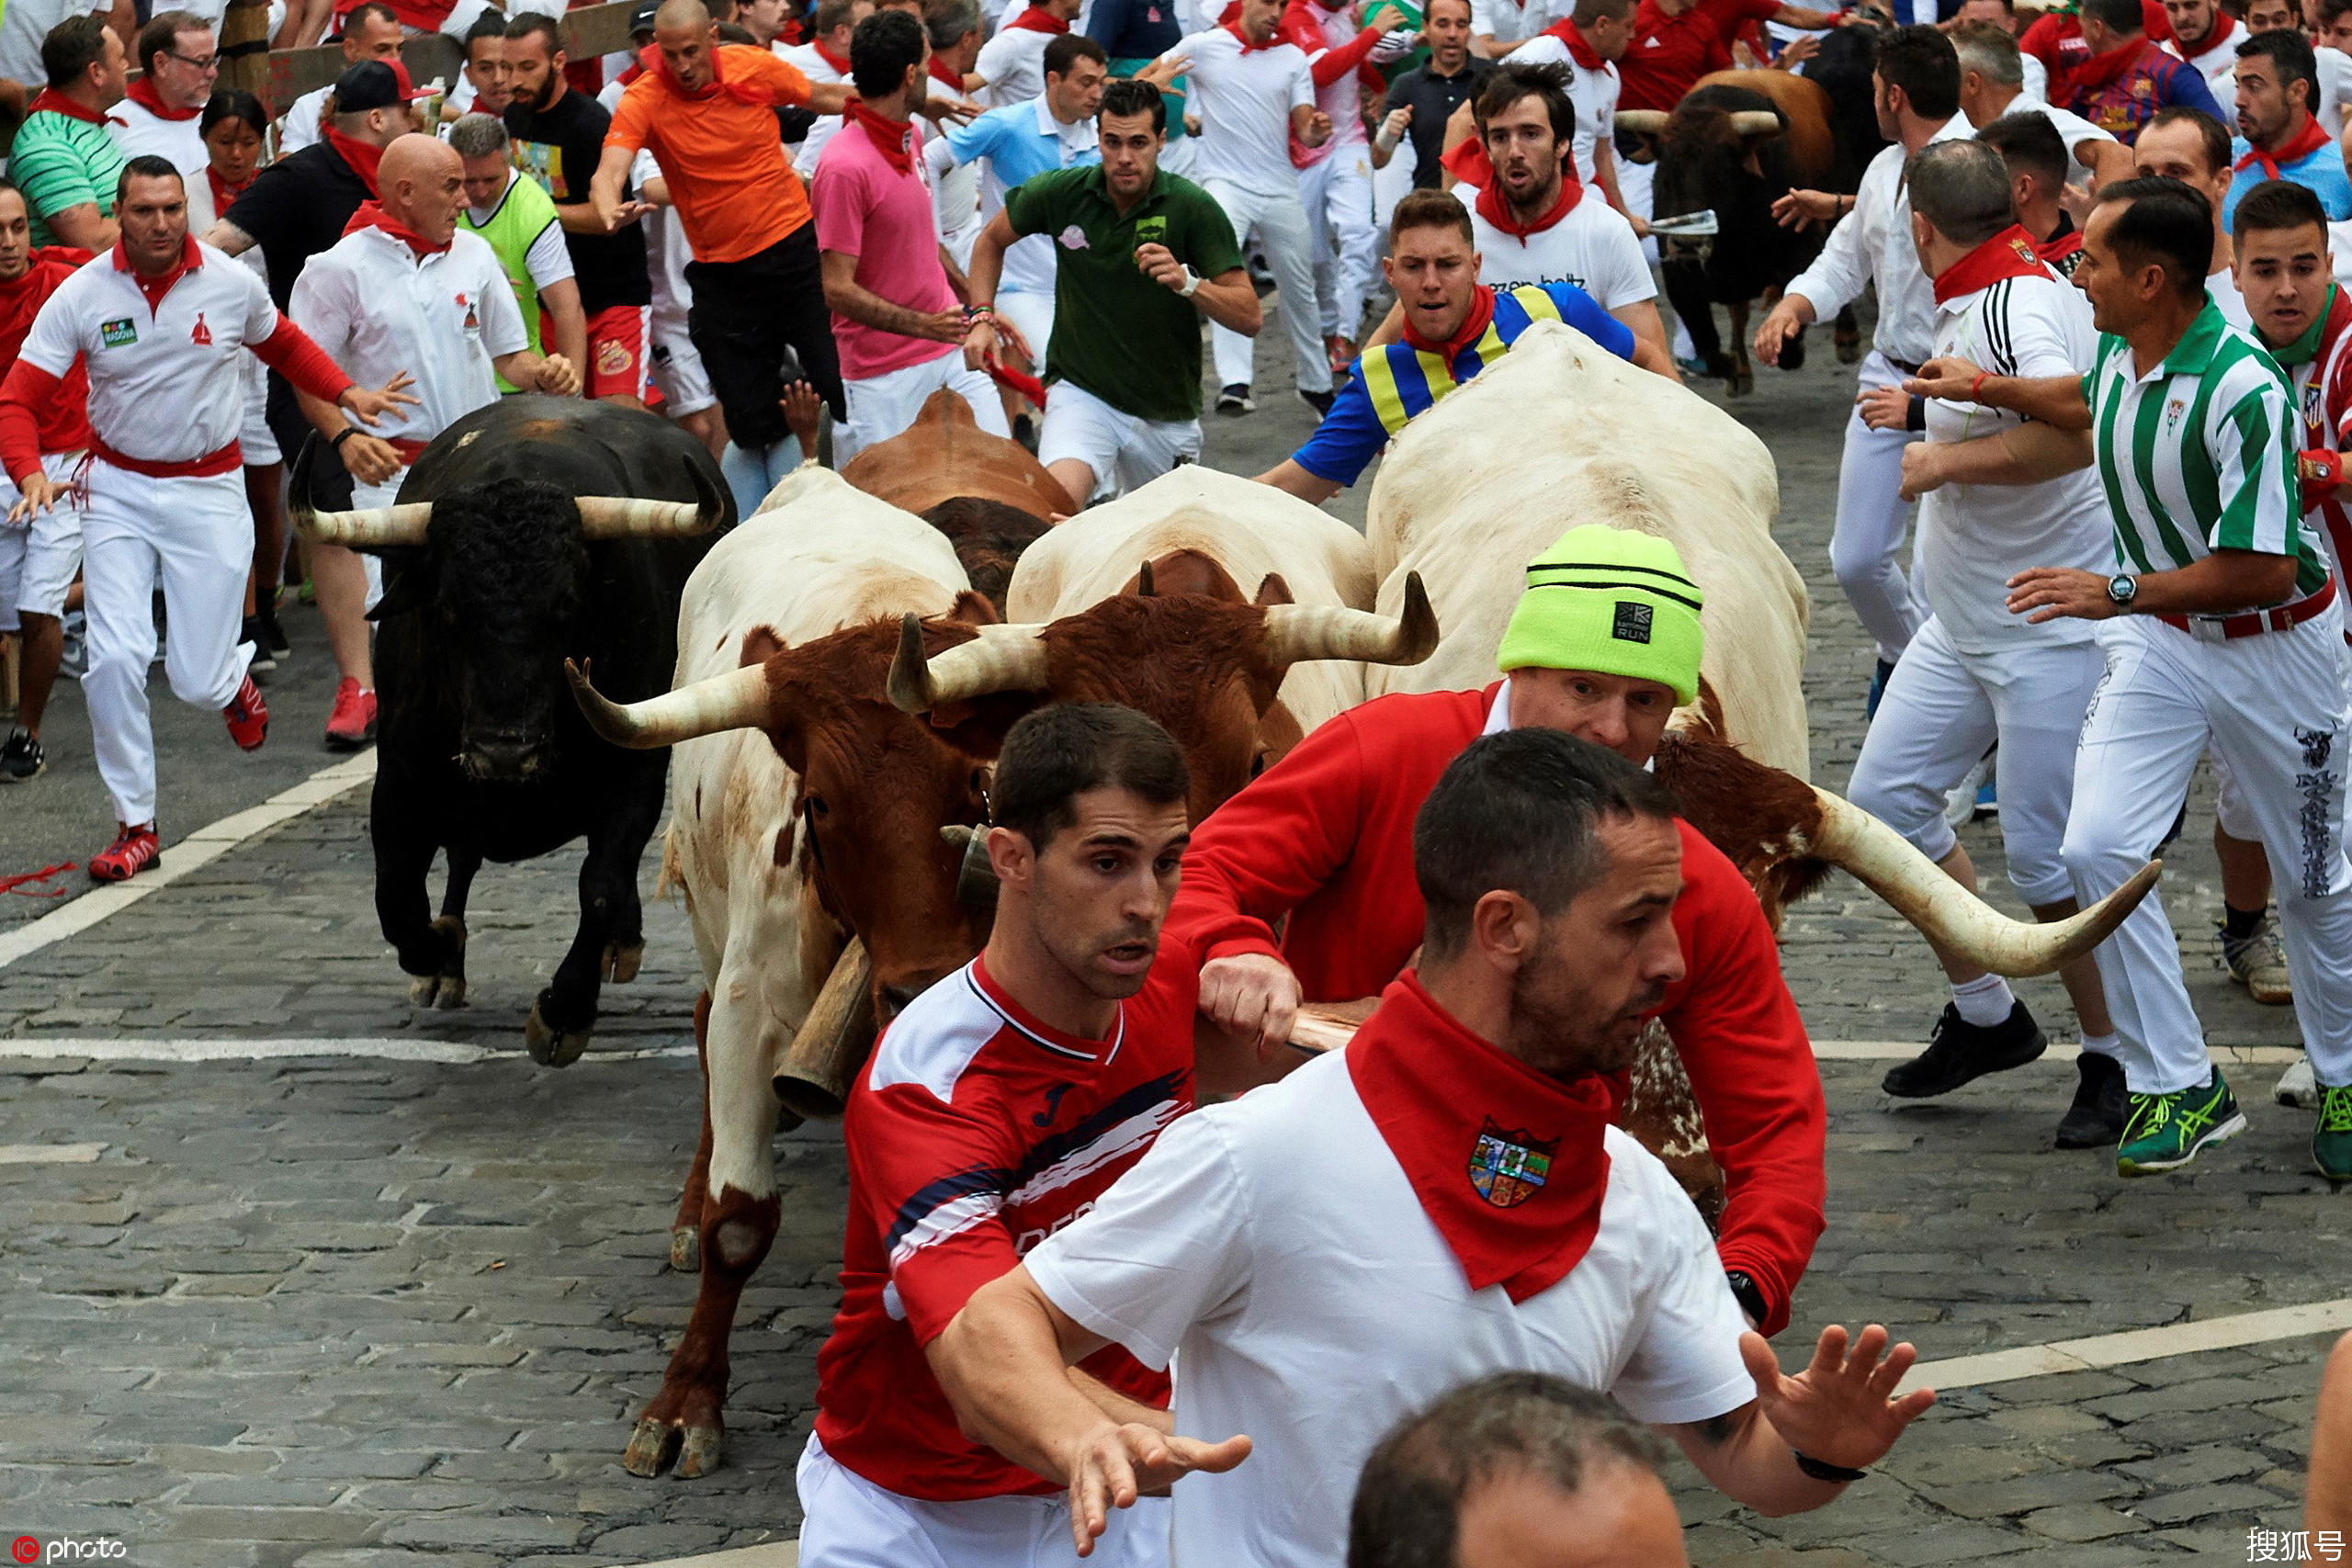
(2332,1140)
(2164,1131)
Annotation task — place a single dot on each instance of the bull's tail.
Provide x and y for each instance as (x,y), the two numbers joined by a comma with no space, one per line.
(673,880)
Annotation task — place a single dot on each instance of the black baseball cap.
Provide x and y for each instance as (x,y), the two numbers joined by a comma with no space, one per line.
(374,85)
(642,19)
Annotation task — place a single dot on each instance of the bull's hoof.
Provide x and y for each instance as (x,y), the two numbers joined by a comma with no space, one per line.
(703,1452)
(445,987)
(441,991)
(651,1448)
(685,1249)
(620,964)
(1742,384)
(551,1047)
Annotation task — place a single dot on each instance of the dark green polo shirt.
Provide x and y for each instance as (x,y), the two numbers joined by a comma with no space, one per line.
(1127,339)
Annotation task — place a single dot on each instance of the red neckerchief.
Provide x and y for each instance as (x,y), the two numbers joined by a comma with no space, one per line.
(1583,54)
(2008,253)
(1249,48)
(362,158)
(154,289)
(1509,1164)
(2103,69)
(224,194)
(838,62)
(651,58)
(894,139)
(1474,327)
(142,93)
(2224,27)
(1037,19)
(372,215)
(22,297)
(2065,240)
(945,77)
(636,69)
(1468,163)
(1495,208)
(2300,145)
(56,102)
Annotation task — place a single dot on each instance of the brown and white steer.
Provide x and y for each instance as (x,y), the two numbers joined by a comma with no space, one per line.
(804,810)
(989,495)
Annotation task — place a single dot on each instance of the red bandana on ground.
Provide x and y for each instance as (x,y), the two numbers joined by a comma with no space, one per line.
(142,93)
(56,102)
(1509,1164)
(1037,19)
(2298,147)
(1494,206)
(362,158)
(372,215)
(894,139)
(1474,326)
(1583,54)
(2008,253)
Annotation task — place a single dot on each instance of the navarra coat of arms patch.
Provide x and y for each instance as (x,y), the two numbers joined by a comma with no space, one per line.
(1508,1167)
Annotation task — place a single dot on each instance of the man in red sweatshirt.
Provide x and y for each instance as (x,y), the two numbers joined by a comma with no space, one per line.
(1604,644)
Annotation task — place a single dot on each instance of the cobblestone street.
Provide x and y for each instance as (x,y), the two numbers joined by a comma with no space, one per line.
(394,1307)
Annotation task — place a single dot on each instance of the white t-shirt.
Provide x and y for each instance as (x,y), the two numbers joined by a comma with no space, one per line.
(1013,64)
(1273,1247)
(2036,86)
(2219,63)
(1244,99)
(24,24)
(2224,286)
(1593,247)
(138,131)
(379,309)
(812,64)
(165,385)
(2072,129)
(1593,94)
(1507,22)
(299,129)
(1973,538)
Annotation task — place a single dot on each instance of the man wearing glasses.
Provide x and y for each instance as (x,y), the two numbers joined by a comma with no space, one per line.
(157,116)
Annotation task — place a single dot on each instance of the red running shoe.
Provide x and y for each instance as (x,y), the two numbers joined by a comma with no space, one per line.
(134,849)
(248,717)
(352,723)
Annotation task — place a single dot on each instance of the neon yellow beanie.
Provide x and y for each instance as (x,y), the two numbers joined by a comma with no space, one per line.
(1611,601)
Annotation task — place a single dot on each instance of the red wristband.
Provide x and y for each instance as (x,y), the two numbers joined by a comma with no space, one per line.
(1974,385)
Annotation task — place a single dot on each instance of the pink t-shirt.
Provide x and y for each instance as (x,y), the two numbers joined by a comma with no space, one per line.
(868,210)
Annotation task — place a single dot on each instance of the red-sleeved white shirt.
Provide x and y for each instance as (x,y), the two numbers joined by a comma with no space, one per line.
(976,1131)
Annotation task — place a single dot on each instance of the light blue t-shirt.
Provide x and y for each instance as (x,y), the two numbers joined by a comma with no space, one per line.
(2321,171)
(1020,141)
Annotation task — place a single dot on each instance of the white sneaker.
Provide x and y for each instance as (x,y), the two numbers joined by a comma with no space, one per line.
(2296,1087)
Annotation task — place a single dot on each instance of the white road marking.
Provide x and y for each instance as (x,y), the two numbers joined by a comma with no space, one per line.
(216,1049)
(2134,1345)
(1904,1050)
(50,1154)
(194,852)
(780,1554)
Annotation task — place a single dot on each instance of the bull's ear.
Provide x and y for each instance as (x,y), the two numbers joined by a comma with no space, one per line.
(1273,590)
(973,610)
(408,585)
(760,645)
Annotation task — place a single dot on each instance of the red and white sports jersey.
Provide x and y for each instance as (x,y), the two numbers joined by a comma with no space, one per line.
(1320,31)
(2320,372)
(974,1132)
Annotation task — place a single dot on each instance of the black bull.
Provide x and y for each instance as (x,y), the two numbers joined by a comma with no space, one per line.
(481,751)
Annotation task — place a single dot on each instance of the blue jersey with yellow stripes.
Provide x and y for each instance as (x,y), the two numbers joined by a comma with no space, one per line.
(1388,386)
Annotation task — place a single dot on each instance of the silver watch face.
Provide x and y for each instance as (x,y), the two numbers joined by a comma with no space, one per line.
(2122,589)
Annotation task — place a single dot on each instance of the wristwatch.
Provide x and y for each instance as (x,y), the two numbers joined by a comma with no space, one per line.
(2121,590)
(1192,285)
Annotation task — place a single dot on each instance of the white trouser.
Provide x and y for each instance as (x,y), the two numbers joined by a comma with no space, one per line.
(385,494)
(40,556)
(2231,812)
(1124,448)
(1031,316)
(849,1522)
(885,405)
(1280,224)
(677,368)
(1337,194)
(1942,711)
(255,440)
(1873,517)
(2275,706)
(198,536)
(1389,185)
(961,240)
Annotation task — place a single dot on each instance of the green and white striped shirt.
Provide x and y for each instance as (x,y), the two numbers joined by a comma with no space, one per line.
(2198,454)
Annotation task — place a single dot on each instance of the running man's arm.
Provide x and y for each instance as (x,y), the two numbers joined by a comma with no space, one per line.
(845,294)
(2028,454)
(1841,1411)
(2055,401)
(1227,298)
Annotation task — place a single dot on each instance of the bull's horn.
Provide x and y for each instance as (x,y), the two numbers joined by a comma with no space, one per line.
(621,517)
(370,528)
(1955,919)
(1297,632)
(1001,659)
(737,700)
(1755,122)
(1144,587)
(1642,122)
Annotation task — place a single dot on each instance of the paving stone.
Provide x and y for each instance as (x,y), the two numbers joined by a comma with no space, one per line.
(2081,1522)
(2204,1501)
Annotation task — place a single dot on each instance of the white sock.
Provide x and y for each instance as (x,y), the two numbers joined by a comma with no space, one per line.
(1984,1001)
(2102,1044)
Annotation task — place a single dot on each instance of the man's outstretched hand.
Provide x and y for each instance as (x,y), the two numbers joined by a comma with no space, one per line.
(1122,1464)
(1841,1409)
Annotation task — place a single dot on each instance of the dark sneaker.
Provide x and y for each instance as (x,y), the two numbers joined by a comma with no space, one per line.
(264,662)
(134,849)
(273,635)
(352,725)
(2096,1119)
(21,758)
(1234,400)
(2257,961)
(1878,688)
(248,716)
(1959,1052)
(2164,1131)
(2332,1140)
(1319,401)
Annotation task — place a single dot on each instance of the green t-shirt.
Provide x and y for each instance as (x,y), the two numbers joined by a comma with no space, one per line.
(1130,342)
(60,162)
(515,225)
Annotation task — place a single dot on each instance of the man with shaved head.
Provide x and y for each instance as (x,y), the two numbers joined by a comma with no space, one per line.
(406,290)
(759,317)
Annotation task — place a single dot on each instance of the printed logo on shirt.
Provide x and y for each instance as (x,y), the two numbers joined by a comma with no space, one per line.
(1632,622)
(1152,230)
(612,358)
(1508,1167)
(1072,238)
(117,333)
(473,321)
(2172,410)
(202,335)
